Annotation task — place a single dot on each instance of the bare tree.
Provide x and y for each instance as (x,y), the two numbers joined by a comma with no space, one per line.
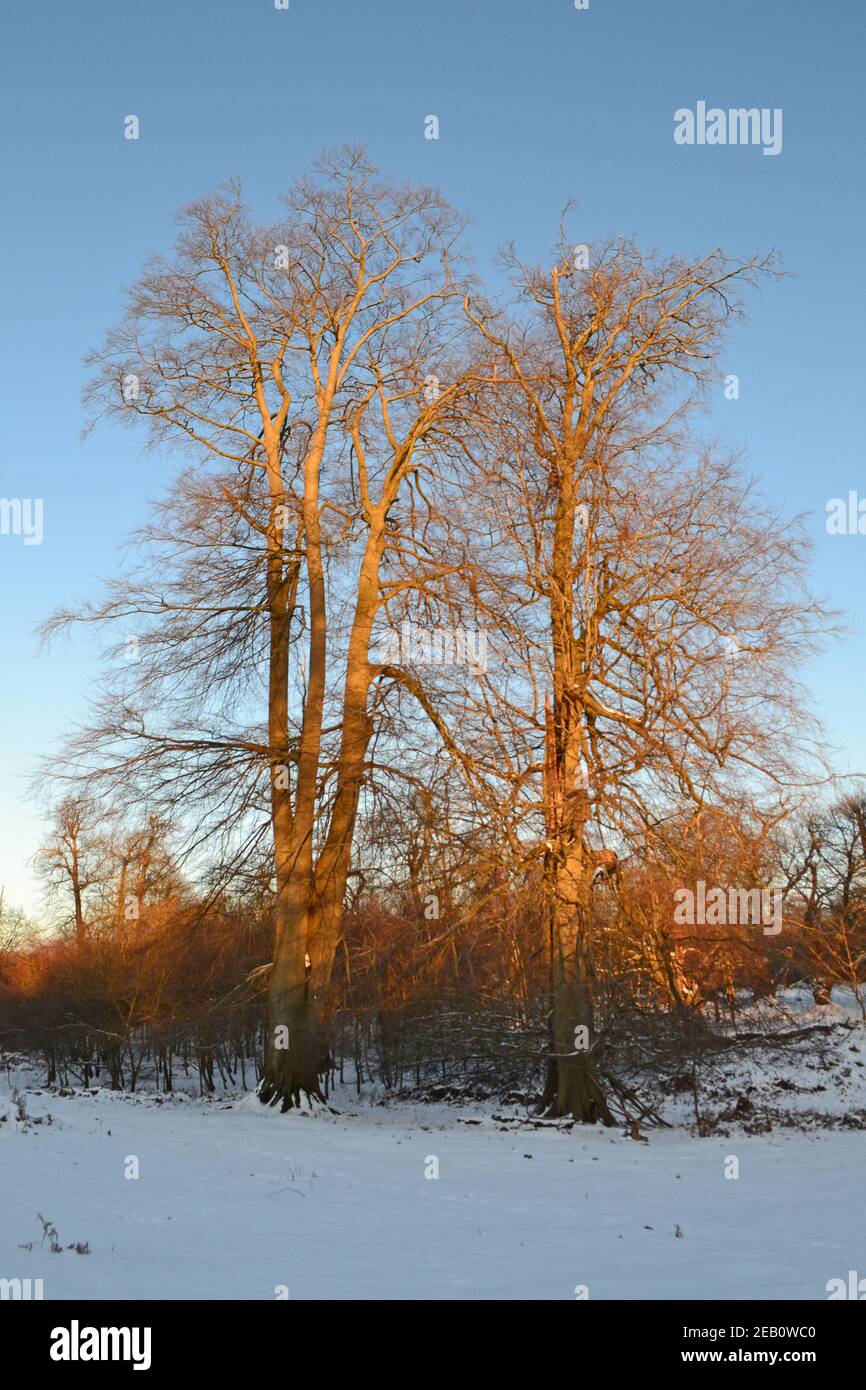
(640,564)
(70,863)
(826,866)
(309,366)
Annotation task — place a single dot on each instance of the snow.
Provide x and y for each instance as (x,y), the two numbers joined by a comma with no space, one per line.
(234,1200)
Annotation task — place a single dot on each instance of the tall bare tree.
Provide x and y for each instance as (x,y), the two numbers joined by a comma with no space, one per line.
(670,658)
(309,367)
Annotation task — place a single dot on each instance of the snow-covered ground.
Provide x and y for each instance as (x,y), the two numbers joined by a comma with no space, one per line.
(236,1201)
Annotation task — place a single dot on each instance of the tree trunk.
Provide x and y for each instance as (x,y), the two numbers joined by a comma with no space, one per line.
(310,895)
(290,1075)
(296,1043)
(572,1085)
(295,1051)
(80,924)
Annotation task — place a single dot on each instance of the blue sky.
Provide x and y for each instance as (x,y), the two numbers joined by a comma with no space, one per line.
(537,102)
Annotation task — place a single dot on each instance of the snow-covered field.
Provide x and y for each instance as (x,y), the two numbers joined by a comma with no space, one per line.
(236,1201)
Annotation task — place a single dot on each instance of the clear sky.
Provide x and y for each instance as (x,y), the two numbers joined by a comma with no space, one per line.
(537,102)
